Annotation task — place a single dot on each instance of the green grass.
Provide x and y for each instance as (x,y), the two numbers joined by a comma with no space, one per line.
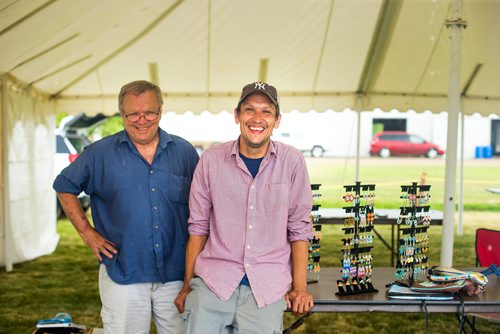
(67,279)
(63,281)
(389,174)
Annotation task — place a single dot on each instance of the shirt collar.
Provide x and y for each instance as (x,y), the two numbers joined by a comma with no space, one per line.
(165,138)
(271,150)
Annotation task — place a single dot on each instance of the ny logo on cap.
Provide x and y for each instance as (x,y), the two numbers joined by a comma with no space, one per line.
(260,85)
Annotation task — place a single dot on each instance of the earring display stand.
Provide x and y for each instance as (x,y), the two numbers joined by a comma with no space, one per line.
(356,253)
(414,221)
(313,267)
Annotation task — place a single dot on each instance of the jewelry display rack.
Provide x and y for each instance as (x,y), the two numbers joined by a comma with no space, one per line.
(356,252)
(313,267)
(412,264)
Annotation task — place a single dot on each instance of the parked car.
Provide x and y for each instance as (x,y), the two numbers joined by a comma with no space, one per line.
(69,144)
(298,141)
(389,143)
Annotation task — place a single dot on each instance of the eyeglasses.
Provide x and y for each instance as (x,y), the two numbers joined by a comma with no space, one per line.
(148,116)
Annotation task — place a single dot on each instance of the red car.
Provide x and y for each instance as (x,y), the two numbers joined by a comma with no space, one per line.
(389,143)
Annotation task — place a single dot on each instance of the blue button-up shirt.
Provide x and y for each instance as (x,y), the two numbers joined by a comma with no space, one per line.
(141,208)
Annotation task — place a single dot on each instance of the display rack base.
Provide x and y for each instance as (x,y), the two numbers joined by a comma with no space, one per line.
(312,277)
(354,289)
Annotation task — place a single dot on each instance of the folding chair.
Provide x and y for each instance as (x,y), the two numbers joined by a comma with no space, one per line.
(487,254)
(487,247)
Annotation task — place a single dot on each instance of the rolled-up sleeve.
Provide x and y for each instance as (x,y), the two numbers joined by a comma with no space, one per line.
(75,178)
(200,202)
(299,220)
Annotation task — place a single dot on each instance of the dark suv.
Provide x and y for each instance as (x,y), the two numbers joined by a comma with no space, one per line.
(389,143)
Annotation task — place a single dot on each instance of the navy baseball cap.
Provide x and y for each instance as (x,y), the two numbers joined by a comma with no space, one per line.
(260,87)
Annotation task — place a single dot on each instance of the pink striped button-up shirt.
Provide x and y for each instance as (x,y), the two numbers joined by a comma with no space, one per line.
(250,221)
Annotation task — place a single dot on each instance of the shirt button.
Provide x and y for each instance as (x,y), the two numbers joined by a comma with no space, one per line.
(251,207)
(153,189)
(248,247)
(151,171)
(253,186)
(155,208)
(157,227)
(250,226)
(156,245)
(247,265)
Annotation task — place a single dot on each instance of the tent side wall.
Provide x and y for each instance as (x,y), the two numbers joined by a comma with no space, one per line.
(2,175)
(29,214)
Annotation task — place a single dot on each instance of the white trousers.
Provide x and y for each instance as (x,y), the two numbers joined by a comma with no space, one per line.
(127,309)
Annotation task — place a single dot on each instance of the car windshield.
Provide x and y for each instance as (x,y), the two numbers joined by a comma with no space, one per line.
(78,142)
(416,139)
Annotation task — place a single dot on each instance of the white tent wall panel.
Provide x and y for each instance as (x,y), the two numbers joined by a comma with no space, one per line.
(3,179)
(30,223)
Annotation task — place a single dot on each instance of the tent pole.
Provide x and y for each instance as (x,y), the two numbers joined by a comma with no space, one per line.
(455,23)
(5,180)
(461,187)
(358,141)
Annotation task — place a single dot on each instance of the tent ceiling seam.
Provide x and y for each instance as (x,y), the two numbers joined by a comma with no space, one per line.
(59,70)
(7,6)
(27,16)
(323,46)
(38,55)
(382,35)
(282,93)
(118,51)
(471,79)
(209,37)
(429,59)
(263,69)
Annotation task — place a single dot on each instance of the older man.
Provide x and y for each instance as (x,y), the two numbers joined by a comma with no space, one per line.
(138,181)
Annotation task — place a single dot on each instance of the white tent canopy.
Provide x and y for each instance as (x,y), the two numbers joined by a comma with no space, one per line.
(74,55)
(322,54)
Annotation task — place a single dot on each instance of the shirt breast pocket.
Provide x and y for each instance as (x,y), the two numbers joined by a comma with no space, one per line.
(276,195)
(176,188)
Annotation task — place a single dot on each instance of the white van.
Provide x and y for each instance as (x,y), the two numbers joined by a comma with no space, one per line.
(299,141)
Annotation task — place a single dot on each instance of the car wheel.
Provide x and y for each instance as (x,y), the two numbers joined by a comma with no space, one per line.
(317,151)
(384,153)
(432,153)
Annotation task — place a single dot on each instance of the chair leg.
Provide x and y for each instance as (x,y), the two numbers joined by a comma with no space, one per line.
(466,320)
(297,323)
